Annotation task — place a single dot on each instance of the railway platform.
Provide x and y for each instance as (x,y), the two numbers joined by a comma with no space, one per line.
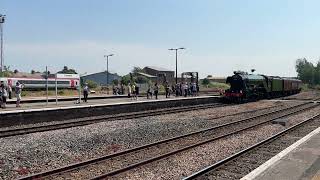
(40,102)
(31,113)
(61,98)
(300,161)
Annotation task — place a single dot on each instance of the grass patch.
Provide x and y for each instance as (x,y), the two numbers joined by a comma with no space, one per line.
(217,85)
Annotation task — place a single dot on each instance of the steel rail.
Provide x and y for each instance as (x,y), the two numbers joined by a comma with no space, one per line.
(234,156)
(103,158)
(121,170)
(68,124)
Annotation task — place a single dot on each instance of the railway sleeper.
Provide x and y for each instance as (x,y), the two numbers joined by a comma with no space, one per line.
(223,174)
(241,168)
(249,160)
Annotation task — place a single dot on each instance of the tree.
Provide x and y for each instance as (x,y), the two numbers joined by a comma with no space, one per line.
(125,79)
(115,81)
(205,81)
(92,84)
(317,73)
(33,71)
(136,70)
(6,72)
(305,70)
(15,71)
(141,79)
(66,70)
(45,72)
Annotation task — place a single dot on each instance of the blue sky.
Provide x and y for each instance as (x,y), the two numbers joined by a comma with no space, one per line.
(220,35)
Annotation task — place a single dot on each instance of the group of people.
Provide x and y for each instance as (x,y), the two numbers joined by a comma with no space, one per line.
(117,90)
(153,90)
(191,89)
(185,90)
(133,91)
(6,92)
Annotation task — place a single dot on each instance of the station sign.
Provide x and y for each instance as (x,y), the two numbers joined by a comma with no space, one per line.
(73,76)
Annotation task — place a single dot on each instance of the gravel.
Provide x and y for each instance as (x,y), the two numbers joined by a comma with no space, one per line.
(31,153)
(305,95)
(186,163)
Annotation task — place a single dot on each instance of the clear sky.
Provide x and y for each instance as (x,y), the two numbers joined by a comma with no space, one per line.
(220,36)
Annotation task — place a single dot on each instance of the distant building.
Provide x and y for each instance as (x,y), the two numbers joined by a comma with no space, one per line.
(151,77)
(160,73)
(101,78)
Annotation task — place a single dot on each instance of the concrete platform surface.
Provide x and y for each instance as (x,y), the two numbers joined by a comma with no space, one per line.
(105,101)
(300,161)
(61,98)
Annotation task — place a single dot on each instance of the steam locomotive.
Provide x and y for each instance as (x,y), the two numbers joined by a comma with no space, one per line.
(246,87)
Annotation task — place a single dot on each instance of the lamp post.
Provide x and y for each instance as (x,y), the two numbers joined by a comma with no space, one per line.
(176,49)
(2,19)
(107,56)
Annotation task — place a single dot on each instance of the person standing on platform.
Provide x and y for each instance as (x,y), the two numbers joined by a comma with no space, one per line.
(122,89)
(86,91)
(149,92)
(1,100)
(129,90)
(173,90)
(4,95)
(186,89)
(177,90)
(167,89)
(133,89)
(156,90)
(10,91)
(18,91)
(194,89)
(137,91)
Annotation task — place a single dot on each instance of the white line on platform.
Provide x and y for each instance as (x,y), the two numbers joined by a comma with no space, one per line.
(255,173)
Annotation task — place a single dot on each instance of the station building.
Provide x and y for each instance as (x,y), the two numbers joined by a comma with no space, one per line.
(101,78)
(159,74)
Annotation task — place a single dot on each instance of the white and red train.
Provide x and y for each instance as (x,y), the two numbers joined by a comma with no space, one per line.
(64,81)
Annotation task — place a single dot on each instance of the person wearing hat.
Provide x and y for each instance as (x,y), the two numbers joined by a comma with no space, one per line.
(18,90)
(86,91)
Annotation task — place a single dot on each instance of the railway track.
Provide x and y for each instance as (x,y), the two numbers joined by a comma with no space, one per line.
(87,121)
(241,163)
(76,123)
(301,99)
(114,164)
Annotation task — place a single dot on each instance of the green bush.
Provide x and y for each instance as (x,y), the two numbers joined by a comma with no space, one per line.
(161,88)
(61,92)
(92,84)
(305,87)
(205,81)
(317,87)
(23,93)
(218,85)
